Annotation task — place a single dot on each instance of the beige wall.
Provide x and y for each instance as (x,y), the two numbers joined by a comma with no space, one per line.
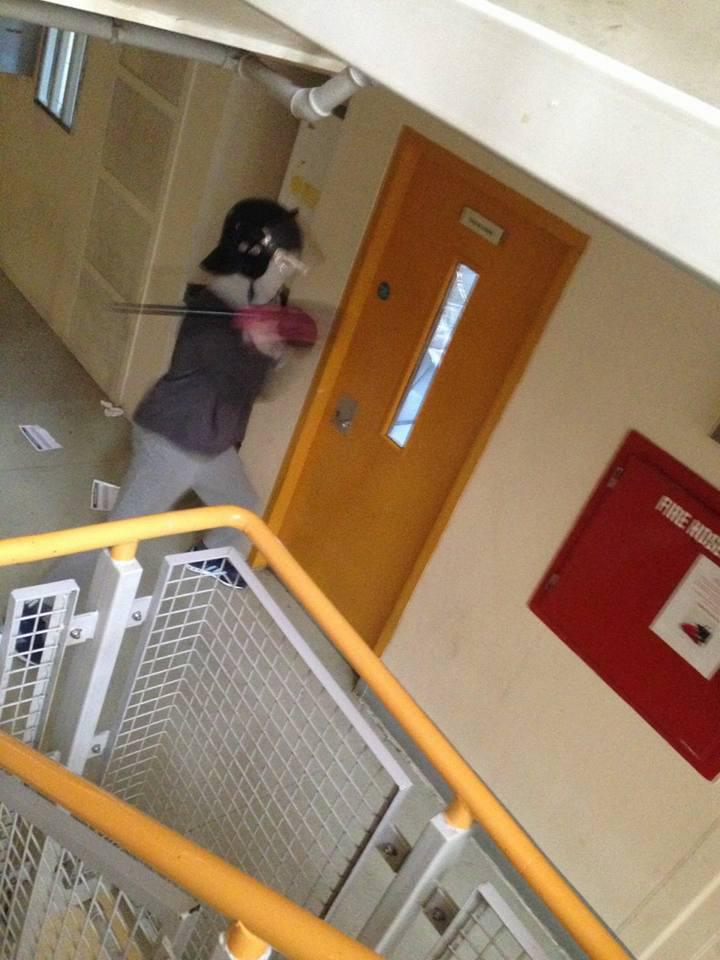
(634,342)
(47,184)
(141,137)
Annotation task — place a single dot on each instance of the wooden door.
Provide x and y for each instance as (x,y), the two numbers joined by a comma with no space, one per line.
(455,280)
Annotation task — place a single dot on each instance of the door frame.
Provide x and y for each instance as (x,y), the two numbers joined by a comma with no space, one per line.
(410,147)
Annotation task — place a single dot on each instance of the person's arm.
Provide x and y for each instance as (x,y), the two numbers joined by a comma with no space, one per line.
(278,378)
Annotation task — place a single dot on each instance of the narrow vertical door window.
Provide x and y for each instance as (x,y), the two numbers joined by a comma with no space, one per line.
(452,309)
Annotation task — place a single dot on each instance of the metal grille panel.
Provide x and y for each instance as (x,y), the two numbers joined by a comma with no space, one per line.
(20,857)
(33,639)
(489,931)
(208,927)
(54,907)
(235,735)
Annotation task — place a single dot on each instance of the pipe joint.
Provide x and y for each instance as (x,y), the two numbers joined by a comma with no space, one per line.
(305,103)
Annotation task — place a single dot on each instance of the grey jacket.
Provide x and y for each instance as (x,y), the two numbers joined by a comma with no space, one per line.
(204,401)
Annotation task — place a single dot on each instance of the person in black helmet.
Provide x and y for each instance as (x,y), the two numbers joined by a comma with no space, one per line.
(190,424)
(192,421)
(204,401)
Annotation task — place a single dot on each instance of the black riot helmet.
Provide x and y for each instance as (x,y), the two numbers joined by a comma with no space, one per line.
(253,231)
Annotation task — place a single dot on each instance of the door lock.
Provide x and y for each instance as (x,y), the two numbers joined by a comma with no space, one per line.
(345,410)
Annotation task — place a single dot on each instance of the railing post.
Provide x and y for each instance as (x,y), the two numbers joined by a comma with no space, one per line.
(90,666)
(238,943)
(457,814)
(437,849)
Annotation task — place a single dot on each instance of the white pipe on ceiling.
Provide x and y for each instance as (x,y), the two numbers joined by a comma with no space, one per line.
(306,103)
(118,31)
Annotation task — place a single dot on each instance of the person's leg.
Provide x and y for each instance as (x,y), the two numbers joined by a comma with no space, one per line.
(158,474)
(223,480)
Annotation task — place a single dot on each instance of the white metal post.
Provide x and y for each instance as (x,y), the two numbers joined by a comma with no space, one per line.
(90,667)
(437,849)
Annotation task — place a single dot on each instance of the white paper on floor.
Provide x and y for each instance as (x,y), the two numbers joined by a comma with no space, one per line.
(103,495)
(110,410)
(38,437)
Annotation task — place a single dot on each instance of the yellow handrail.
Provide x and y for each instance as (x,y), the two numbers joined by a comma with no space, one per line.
(288,928)
(472,797)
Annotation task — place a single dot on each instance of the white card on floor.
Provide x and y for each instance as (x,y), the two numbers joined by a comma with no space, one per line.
(103,495)
(39,437)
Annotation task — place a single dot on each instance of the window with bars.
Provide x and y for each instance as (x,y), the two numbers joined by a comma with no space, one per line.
(61,66)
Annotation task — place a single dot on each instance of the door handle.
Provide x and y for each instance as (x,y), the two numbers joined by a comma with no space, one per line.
(345,410)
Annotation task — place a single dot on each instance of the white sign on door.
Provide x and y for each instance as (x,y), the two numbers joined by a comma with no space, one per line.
(479,224)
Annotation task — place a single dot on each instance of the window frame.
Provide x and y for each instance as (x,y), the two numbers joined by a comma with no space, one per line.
(399,431)
(57,86)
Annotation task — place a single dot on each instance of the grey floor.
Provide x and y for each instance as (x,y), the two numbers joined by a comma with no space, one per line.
(41,383)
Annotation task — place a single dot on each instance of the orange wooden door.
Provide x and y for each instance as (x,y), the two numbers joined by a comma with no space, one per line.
(364,509)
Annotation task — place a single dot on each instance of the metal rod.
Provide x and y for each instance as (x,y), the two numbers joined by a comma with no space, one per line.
(162,309)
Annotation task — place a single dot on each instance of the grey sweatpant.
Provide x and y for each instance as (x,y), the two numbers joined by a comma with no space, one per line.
(159,474)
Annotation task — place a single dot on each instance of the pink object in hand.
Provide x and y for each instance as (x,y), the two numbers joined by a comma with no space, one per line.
(289,324)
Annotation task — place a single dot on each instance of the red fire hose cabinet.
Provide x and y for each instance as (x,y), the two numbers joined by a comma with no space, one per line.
(635,592)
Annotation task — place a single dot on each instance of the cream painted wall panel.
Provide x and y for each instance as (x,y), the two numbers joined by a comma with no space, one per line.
(634,342)
(47,182)
(668,924)
(305,176)
(118,241)
(695,935)
(163,73)
(98,338)
(255,139)
(137,144)
(140,135)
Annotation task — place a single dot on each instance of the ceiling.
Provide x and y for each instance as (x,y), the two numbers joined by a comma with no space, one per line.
(676,42)
(229,22)
(613,103)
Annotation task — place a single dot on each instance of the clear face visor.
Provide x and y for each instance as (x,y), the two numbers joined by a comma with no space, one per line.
(281,270)
(288,264)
